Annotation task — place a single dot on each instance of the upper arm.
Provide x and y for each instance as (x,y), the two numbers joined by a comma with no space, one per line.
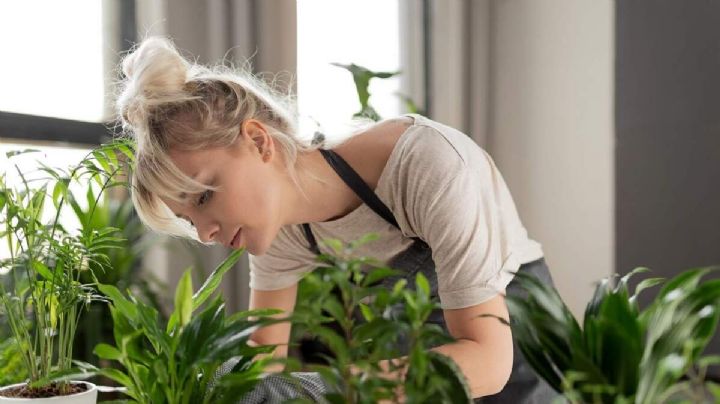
(467,323)
(276,334)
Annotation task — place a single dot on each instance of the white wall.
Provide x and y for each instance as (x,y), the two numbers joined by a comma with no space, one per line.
(551,130)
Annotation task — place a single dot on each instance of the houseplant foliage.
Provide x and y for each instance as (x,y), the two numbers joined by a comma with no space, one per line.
(41,294)
(125,261)
(183,361)
(361,78)
(374,320)
(622,354)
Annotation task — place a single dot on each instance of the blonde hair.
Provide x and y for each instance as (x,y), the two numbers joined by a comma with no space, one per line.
(167,102)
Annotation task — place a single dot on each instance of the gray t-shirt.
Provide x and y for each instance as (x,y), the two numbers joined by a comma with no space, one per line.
(442,188)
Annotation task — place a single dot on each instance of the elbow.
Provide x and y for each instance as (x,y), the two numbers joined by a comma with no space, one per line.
(503,373)
(495,378)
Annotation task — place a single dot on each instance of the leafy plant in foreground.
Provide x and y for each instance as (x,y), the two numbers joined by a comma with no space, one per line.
(621,354)
(358,368)
(182,362)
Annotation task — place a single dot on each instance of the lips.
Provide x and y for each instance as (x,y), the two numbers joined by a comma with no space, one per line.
(236,240)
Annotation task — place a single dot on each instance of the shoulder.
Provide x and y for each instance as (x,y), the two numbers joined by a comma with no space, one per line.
(368,152)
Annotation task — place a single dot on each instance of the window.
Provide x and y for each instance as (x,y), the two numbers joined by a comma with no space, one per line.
(53,78)
(363,32)
(54,64)
(58,59)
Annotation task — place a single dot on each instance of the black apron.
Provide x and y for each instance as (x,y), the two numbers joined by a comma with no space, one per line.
(524,385)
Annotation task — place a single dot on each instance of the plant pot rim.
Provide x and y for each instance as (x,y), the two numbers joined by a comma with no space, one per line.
(91,388)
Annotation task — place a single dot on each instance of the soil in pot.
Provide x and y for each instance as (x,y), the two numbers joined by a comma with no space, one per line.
(51,390)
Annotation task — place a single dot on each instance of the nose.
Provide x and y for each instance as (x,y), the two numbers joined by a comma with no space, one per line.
(207,230)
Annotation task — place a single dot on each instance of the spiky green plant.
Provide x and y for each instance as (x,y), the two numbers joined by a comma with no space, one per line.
(622,354)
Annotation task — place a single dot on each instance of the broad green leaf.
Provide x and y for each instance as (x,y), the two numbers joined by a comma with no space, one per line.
(210,285)
(105,351)
(124,306)
(183,299)
(215,278)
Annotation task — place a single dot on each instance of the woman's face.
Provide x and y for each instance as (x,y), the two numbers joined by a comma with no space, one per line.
(246,210)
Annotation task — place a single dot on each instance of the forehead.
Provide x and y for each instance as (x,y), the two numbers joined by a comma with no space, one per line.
(191,161)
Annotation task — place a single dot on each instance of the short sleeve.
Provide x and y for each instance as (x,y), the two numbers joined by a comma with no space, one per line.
(463,225)
(282,265)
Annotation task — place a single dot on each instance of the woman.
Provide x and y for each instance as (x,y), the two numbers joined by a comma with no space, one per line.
(218,161)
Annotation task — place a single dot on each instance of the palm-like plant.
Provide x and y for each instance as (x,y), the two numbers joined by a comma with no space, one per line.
(622,354)
(42,295)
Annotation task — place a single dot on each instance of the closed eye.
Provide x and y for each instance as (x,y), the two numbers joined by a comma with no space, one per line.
(204,197)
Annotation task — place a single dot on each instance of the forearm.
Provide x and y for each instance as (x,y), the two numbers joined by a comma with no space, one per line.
(486,367)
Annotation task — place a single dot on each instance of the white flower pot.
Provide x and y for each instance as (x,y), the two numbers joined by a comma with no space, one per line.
(88,396)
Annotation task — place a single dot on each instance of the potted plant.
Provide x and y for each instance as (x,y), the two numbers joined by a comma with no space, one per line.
(40,294)
(622,354)
(374,321)
(200,355)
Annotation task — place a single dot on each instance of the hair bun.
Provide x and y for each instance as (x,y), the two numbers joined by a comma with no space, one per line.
(155,68)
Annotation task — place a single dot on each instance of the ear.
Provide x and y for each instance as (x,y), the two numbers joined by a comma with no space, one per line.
(257,137)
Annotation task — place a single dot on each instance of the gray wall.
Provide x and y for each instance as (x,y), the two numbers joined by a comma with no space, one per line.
(667,107)
(551,131)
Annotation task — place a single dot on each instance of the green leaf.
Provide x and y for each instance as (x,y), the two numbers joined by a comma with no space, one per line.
(124,306)
(117,376)
(59,191)
(709,360)
(215,278)
(42,270)
(366,312)
(100,157)
(13,153)
(378,274)
(367,238)
(422,284)
(647,283)
(335,244)
(183,299)
(714,388)
(160,369)
(105,351)
(459,392)
(210,285)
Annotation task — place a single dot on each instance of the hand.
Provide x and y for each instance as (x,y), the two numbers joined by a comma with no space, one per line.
(275,388)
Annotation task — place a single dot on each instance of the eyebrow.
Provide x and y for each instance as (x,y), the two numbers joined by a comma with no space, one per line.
(183,195)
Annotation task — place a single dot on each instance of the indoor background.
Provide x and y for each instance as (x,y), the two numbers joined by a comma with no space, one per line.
(603,116)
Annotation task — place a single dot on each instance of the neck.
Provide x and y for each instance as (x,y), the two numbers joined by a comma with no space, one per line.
(326,195)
